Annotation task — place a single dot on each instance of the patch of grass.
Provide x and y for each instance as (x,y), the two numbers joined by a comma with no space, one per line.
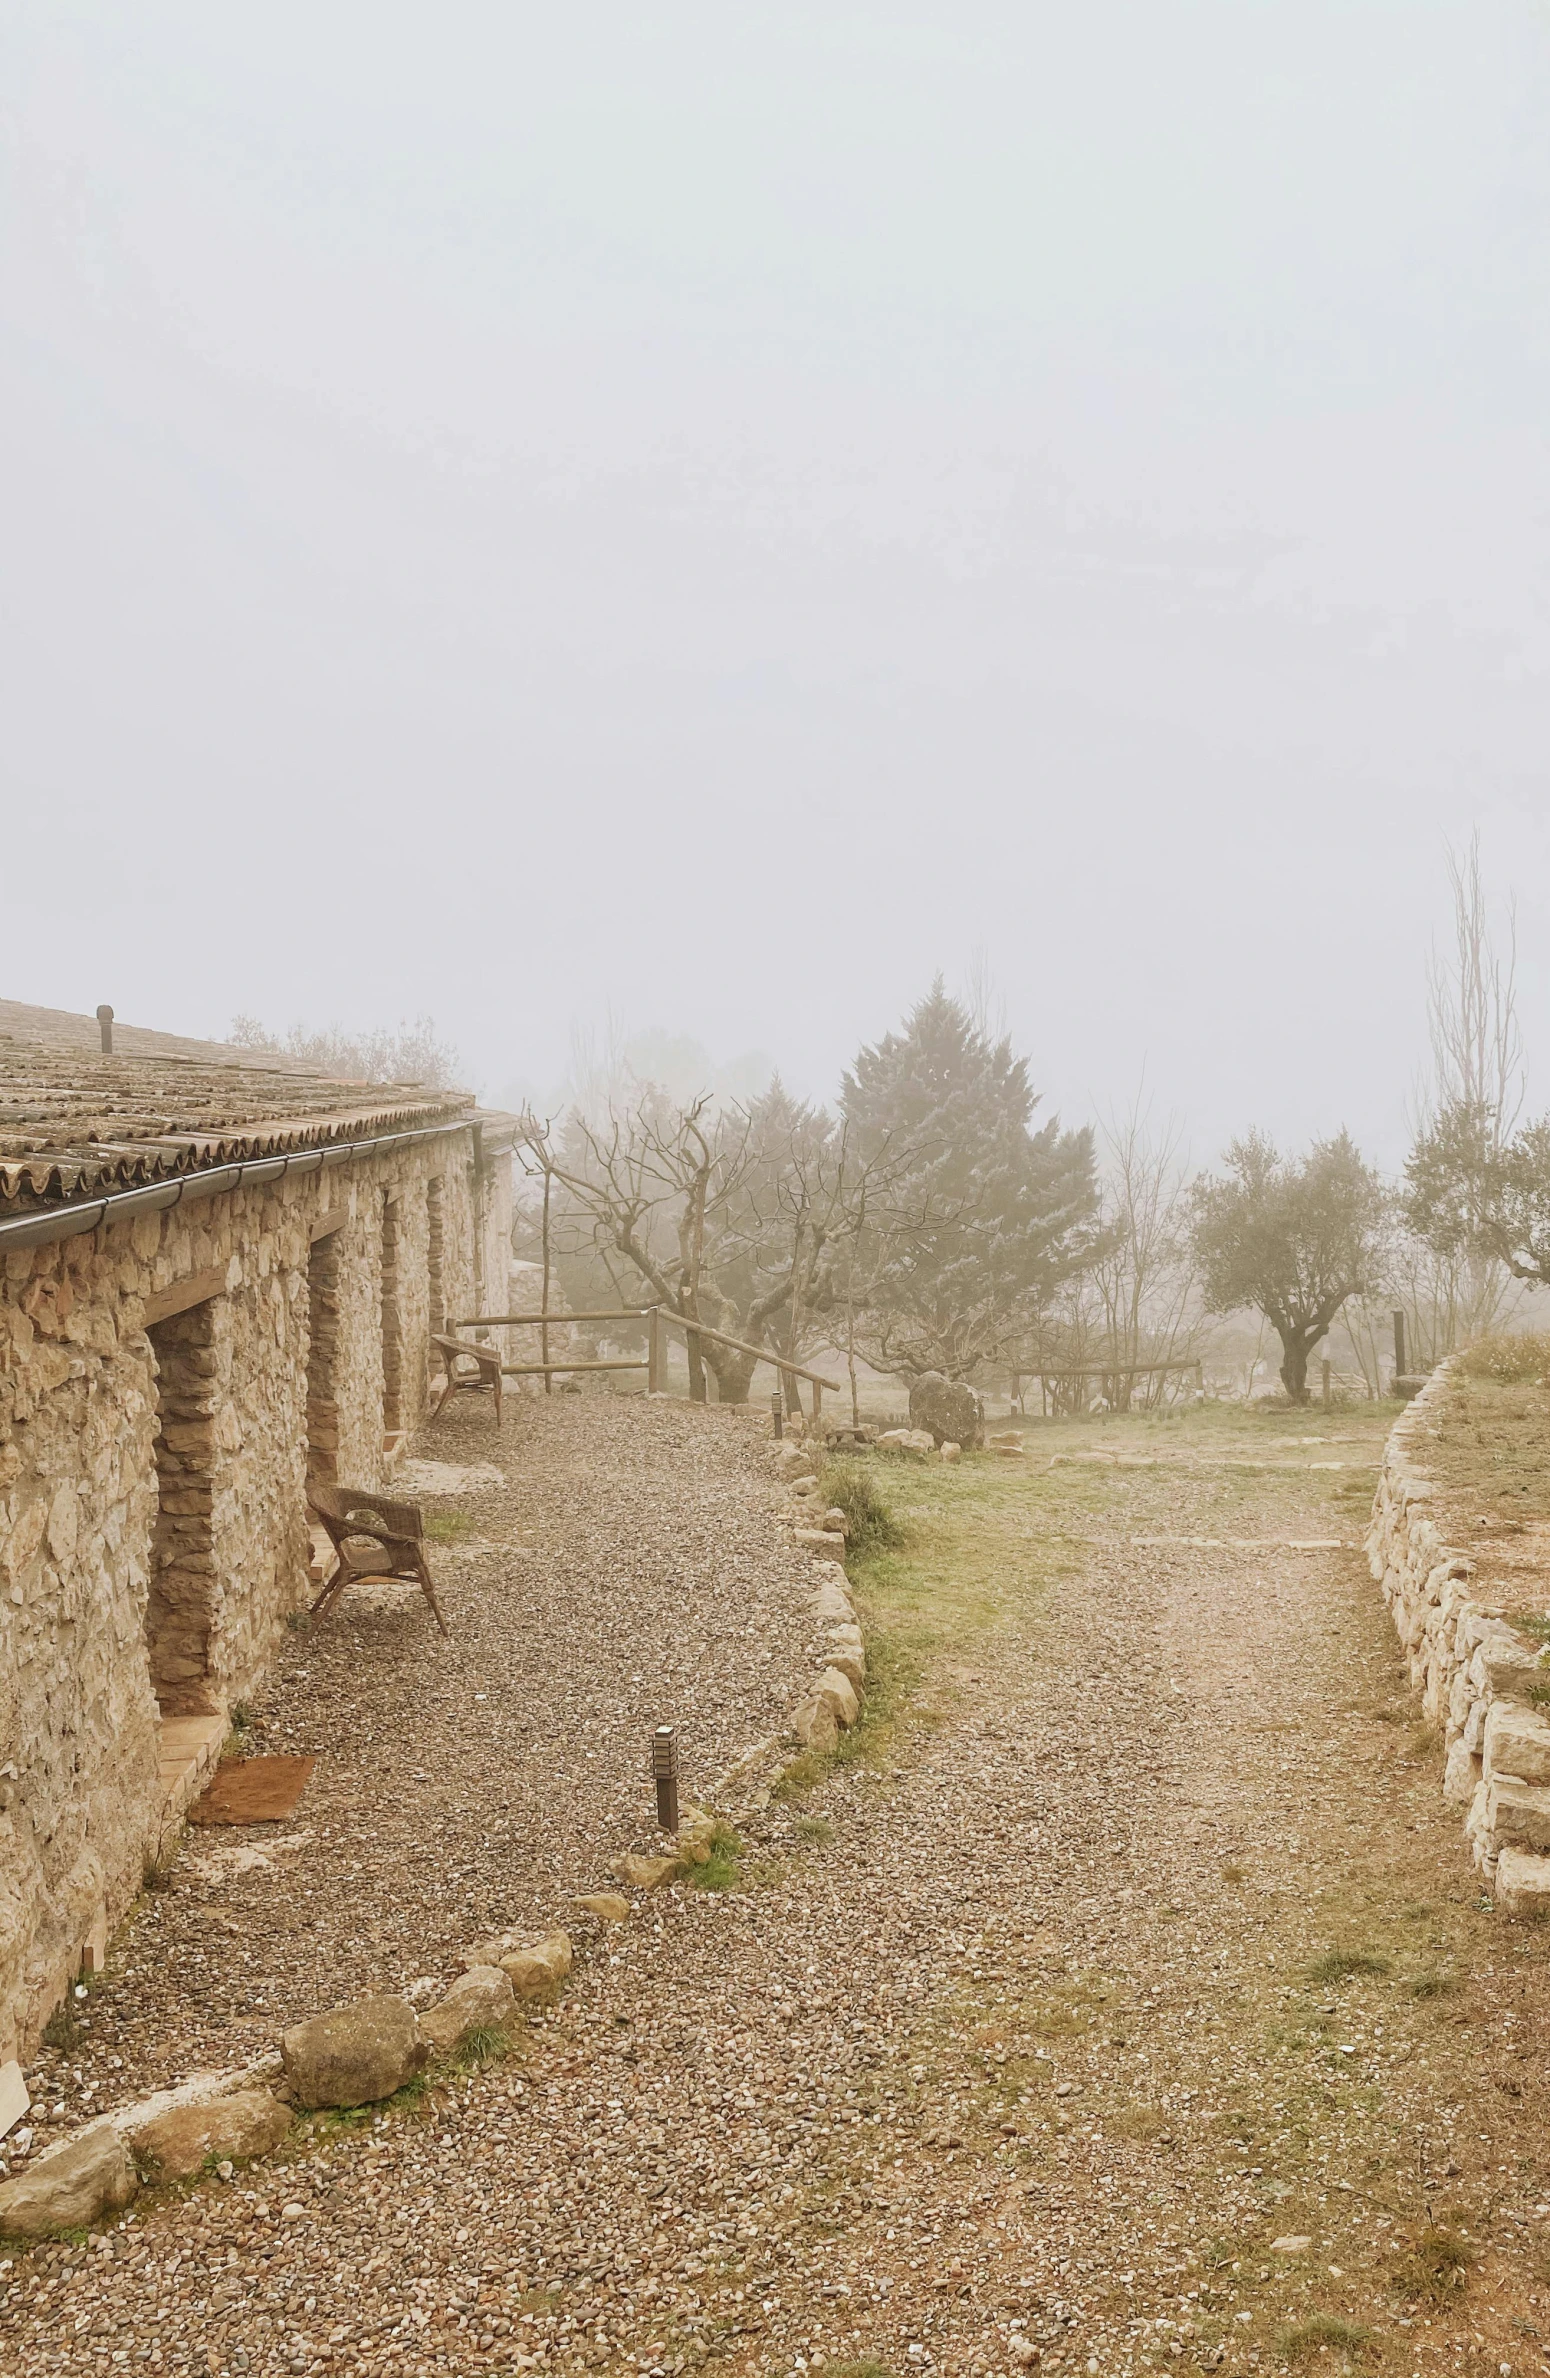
(1436,2267)
(817,1830)
(721,1869)
(1310,2336)
(1432,1984)
(1338,1965)
(486,2044)
(870,1521)
(448,1527)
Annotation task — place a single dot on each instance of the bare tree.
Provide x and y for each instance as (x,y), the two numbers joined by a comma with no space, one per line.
(1449,1282)
(412,1053)
(1471,1008)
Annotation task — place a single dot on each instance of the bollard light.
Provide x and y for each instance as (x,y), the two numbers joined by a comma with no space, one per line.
(664,1769)
(778,1413)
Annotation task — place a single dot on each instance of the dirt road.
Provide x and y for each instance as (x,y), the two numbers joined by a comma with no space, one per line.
(1128,2002)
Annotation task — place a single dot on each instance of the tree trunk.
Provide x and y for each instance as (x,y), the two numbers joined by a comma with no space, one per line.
(1294,1365)
(694,1346)
(733,1373)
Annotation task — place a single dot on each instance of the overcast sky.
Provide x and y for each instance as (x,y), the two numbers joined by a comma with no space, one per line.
(717,512)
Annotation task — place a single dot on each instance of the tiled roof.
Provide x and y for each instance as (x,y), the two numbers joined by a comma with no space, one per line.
(76,1123)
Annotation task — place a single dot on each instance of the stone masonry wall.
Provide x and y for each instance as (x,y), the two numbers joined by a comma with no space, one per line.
(1475,1668)
(125,1596)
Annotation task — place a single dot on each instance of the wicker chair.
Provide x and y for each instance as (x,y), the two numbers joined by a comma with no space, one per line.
(373,1537)
(488,1373)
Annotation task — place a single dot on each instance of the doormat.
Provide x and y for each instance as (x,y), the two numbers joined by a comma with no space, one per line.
(252,1792)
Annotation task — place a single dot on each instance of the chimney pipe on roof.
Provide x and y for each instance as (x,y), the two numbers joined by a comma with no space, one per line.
(105,1022)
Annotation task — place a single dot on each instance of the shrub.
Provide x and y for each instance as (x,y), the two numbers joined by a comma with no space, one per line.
(849,1486)
(1509,1361)
(1435,2266)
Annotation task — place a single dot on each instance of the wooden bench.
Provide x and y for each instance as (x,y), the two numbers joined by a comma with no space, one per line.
(487,1373)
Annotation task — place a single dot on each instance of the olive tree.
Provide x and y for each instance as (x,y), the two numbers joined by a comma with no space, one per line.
(1291,1237)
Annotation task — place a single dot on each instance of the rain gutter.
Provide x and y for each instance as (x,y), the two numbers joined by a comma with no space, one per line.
(73,1221)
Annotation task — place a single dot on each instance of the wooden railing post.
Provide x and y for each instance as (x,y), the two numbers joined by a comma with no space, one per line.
(656,1350)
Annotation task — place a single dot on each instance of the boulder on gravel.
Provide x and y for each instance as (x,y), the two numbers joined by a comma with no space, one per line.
(696,1836)
(610,1907)
(179,2142)
(354,2054)
(542,1965)
(947,1409)
(648,1873)
(480,2000)
(815,1725)
(71,2187)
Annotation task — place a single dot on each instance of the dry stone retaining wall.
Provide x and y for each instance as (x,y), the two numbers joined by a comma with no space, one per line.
(1475,1668)
(153,1533)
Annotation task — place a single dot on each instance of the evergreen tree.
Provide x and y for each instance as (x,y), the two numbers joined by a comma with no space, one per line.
(984,1217)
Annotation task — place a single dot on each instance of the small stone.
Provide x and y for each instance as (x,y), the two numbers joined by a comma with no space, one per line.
(355,2054)
(611,1907)
(480,2000)
(540,1967)
(1290,2245)
(952,1452)
(820,1540)
(293,2211)
(249,2122)
(647,1873)
(71,2187)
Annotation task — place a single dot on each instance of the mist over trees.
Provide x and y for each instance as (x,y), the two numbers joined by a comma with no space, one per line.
(937,1219)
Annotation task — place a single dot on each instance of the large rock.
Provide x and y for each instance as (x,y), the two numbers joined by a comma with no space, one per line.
(645,1872)
(480,2000)
(835,1687)
(947,1409)
(71,2188)
(914,1442)
(1517,1743)
(1522,1886)
(180,2142)
(354,2054)
(1514,1815)
(540,1966)
(850,1660)
(815,1725)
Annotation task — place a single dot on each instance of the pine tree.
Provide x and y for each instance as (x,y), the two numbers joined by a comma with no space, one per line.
(984,1217)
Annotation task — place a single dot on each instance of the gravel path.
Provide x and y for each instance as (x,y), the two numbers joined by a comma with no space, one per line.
(632,1569)
(1013,2049)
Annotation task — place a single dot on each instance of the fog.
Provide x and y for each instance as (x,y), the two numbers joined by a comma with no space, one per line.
(704,516)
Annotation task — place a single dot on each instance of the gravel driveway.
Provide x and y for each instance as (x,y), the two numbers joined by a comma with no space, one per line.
(1013,2050)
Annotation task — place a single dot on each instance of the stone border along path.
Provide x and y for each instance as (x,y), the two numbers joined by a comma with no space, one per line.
(1022,2044)
(1476,1670)
(370,2047)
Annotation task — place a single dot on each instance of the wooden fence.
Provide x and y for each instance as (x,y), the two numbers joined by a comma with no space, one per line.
(658,1319)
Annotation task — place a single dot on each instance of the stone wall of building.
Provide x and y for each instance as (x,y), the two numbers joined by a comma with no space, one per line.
(1476,1669)
(153,1530)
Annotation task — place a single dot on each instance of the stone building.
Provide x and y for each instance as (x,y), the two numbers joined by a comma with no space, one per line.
(219,1275)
